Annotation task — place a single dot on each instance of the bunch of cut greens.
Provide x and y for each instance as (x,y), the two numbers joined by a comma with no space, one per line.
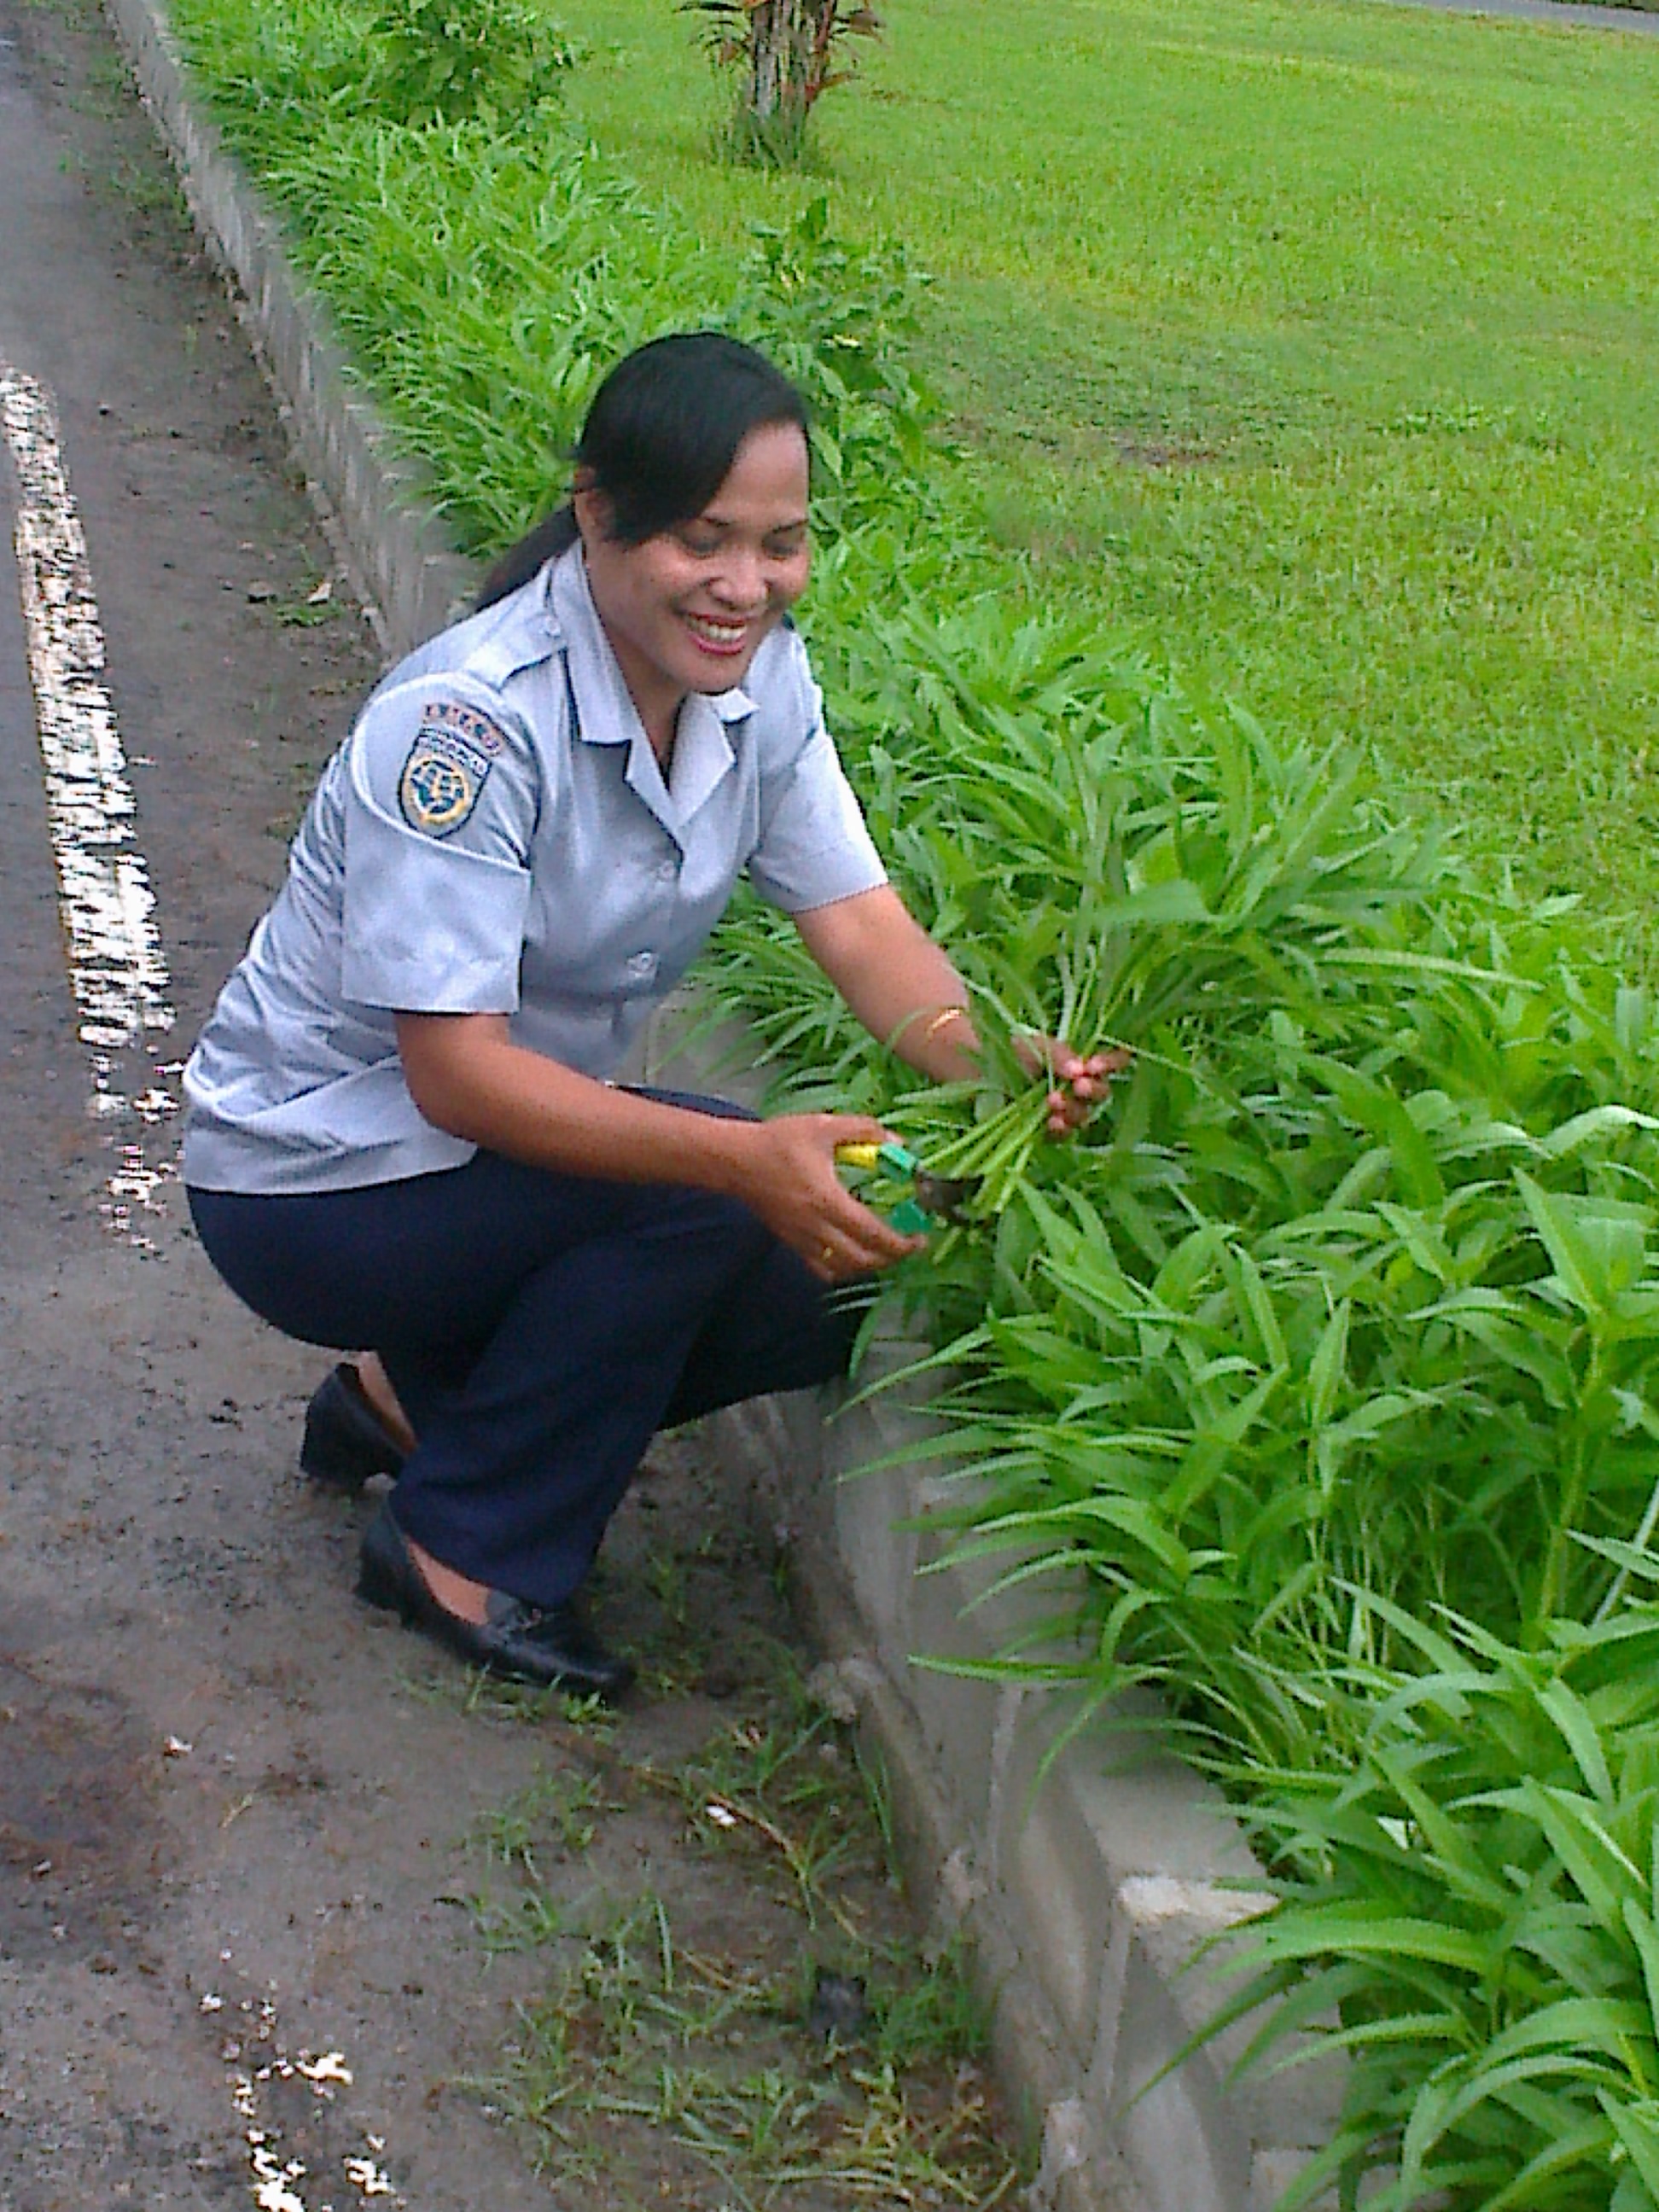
(1346,1314)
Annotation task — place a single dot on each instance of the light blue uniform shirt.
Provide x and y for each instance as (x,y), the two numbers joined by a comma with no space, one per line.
(496,837)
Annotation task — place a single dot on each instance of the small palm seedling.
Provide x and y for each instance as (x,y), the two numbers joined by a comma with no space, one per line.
(789,54)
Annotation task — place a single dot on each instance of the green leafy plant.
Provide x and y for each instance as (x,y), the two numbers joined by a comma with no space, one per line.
(841,323)
(1471,1902)
(444,60)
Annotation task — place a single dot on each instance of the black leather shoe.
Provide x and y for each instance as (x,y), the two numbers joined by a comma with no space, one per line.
(553,1646)
(345,1439)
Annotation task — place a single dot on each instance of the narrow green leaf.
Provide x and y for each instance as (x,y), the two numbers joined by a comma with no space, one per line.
(1638,2130)
(1326,1372)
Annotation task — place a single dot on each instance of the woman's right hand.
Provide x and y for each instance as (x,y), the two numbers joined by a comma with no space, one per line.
(467,1075)
(789,1180)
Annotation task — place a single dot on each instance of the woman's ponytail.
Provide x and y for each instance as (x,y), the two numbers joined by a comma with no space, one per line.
(554,534)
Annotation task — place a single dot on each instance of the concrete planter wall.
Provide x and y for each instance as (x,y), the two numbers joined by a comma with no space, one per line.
(1086,1887)
(1086,1884)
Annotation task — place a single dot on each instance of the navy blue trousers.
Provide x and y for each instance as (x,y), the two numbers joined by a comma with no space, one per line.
(538,1329)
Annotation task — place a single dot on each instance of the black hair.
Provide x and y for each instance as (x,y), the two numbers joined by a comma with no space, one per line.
(659,440)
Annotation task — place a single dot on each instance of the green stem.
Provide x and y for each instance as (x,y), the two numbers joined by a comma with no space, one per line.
(1551,1598)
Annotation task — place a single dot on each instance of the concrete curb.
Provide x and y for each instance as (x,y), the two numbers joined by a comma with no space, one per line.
(1084,1892)
(376,501)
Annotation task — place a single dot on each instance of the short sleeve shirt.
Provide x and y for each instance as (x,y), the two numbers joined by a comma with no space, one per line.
(497,836)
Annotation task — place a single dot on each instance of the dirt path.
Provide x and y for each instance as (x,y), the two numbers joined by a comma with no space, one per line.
(252,1838)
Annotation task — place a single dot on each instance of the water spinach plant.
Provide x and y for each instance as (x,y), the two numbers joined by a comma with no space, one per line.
(1331,1353)
(1471,1897)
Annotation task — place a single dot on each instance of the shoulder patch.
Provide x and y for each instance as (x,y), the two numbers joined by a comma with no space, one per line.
(448,763)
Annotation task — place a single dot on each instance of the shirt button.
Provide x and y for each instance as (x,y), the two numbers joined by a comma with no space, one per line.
(666,871)
(642,964)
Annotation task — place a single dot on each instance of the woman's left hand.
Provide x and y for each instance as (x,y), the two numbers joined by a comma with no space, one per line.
(1078,1082)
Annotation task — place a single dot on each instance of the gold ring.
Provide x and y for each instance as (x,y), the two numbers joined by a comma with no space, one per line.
(826,1256)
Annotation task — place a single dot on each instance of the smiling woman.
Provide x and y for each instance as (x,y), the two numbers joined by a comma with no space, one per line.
(404,1134)
(689,501)
(690,608)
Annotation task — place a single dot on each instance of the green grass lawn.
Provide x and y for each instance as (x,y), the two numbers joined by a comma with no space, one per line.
(1314,343)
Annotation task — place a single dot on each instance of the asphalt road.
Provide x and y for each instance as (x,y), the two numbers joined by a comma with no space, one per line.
(235,1808)
(1643,22)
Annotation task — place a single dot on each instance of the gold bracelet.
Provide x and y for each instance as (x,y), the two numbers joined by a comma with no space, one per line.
(944,1014)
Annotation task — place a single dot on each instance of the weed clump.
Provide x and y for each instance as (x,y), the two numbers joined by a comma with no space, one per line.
(797,2047)
(444,60)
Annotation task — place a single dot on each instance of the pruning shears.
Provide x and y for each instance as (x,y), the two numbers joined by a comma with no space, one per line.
(933,1197)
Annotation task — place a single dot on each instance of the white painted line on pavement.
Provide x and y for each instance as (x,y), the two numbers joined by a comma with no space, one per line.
(117,969)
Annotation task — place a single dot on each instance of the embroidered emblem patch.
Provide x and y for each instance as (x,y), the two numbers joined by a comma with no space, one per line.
(436,793)
(448,762)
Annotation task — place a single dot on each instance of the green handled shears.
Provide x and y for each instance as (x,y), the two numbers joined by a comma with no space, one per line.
(933,1197)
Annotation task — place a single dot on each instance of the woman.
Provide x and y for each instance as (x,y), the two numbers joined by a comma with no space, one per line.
(403,1133)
